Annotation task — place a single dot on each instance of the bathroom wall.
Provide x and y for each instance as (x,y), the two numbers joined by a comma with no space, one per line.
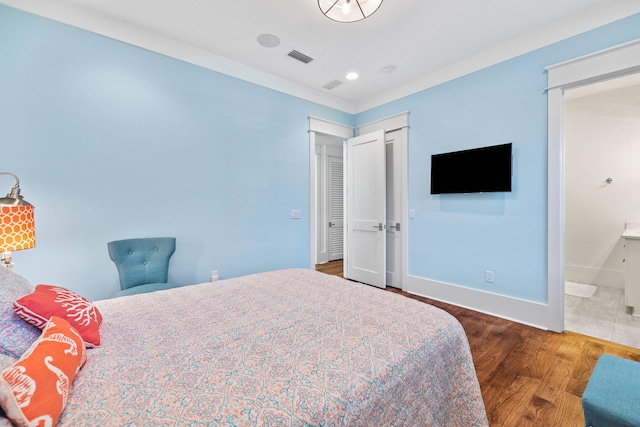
(602,141)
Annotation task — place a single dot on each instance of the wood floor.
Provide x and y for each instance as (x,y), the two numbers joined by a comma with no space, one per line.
(528,377)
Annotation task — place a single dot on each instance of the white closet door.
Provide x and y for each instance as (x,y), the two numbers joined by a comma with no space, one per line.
(336,208)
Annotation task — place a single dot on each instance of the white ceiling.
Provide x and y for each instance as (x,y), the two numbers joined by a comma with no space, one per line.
(427,41)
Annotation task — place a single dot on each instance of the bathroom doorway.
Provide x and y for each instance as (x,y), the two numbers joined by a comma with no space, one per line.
(602,150)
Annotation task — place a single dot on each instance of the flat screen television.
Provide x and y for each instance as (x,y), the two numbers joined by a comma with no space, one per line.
(479,170)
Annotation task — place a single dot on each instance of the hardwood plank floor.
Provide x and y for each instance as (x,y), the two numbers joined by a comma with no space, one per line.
(528,377)
(332,267)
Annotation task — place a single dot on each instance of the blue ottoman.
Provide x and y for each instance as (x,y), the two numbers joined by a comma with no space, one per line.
(612,396)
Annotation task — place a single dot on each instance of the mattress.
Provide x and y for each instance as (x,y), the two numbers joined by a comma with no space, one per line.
(285,348)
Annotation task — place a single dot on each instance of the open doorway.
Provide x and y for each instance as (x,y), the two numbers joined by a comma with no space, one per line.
(396,141)
(330,203)
(602,147)
(329,199)
(321,133)
(607,64)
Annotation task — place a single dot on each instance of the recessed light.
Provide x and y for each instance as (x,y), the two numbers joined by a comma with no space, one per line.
(352,76)
(268,40)
(388,69)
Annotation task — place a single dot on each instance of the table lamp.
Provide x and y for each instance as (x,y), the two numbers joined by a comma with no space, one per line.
(17,228)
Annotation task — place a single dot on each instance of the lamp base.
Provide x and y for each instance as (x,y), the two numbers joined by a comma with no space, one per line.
(6,260)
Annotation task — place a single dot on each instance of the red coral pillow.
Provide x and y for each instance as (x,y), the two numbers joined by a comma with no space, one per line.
(35,389)
(46,301)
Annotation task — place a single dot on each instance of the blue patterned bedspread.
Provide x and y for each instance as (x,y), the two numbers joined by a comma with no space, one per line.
(284,348)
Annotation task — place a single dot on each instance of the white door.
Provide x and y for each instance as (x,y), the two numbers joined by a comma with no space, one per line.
(394,209)
(366,209)
(336,208)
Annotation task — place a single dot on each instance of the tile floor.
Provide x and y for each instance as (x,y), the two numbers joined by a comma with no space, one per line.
(603,316)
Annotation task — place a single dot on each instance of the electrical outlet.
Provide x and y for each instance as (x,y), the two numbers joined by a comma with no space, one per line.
(214,275)
(488,276)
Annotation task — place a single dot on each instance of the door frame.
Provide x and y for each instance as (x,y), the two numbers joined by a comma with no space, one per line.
(327,146)
(322,126)
(392,123)
(398,121)
(393,235)
(606,64)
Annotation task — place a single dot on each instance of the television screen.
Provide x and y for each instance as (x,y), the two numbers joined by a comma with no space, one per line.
(480,170)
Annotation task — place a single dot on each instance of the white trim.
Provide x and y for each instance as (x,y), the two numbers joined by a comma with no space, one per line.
(598,66)
(313,217)
(608,63)
(118,30)
(345,201)
(388,124)
(391,123)
(555,210)
(125,32)
(328,127)
(561,30)
(514,309)
(404,153)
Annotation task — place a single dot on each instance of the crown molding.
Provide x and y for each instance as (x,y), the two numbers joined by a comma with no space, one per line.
(155,42)
(593,18)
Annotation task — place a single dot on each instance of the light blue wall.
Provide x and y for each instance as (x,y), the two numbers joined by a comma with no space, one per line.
(111,141)
(455,238)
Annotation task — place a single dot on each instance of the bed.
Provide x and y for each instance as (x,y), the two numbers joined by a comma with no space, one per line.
(284,348)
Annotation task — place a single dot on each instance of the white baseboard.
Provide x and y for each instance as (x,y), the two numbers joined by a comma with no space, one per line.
(509,308)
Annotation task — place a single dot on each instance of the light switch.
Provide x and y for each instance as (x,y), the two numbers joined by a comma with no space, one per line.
(295,213)
(412,214)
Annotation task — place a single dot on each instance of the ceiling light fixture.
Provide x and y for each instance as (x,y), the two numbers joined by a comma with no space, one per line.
(352,76)
(346,7)
(348,10)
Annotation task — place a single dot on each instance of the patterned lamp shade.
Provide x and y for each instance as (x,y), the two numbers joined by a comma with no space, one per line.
(17,228)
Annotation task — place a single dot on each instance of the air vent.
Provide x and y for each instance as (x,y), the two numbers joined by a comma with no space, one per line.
(300,56)
(332,84)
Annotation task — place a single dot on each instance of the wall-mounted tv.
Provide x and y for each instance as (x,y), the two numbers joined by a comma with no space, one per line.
(479,170)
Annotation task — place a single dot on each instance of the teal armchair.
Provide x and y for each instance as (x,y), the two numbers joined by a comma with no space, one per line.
(143,264)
